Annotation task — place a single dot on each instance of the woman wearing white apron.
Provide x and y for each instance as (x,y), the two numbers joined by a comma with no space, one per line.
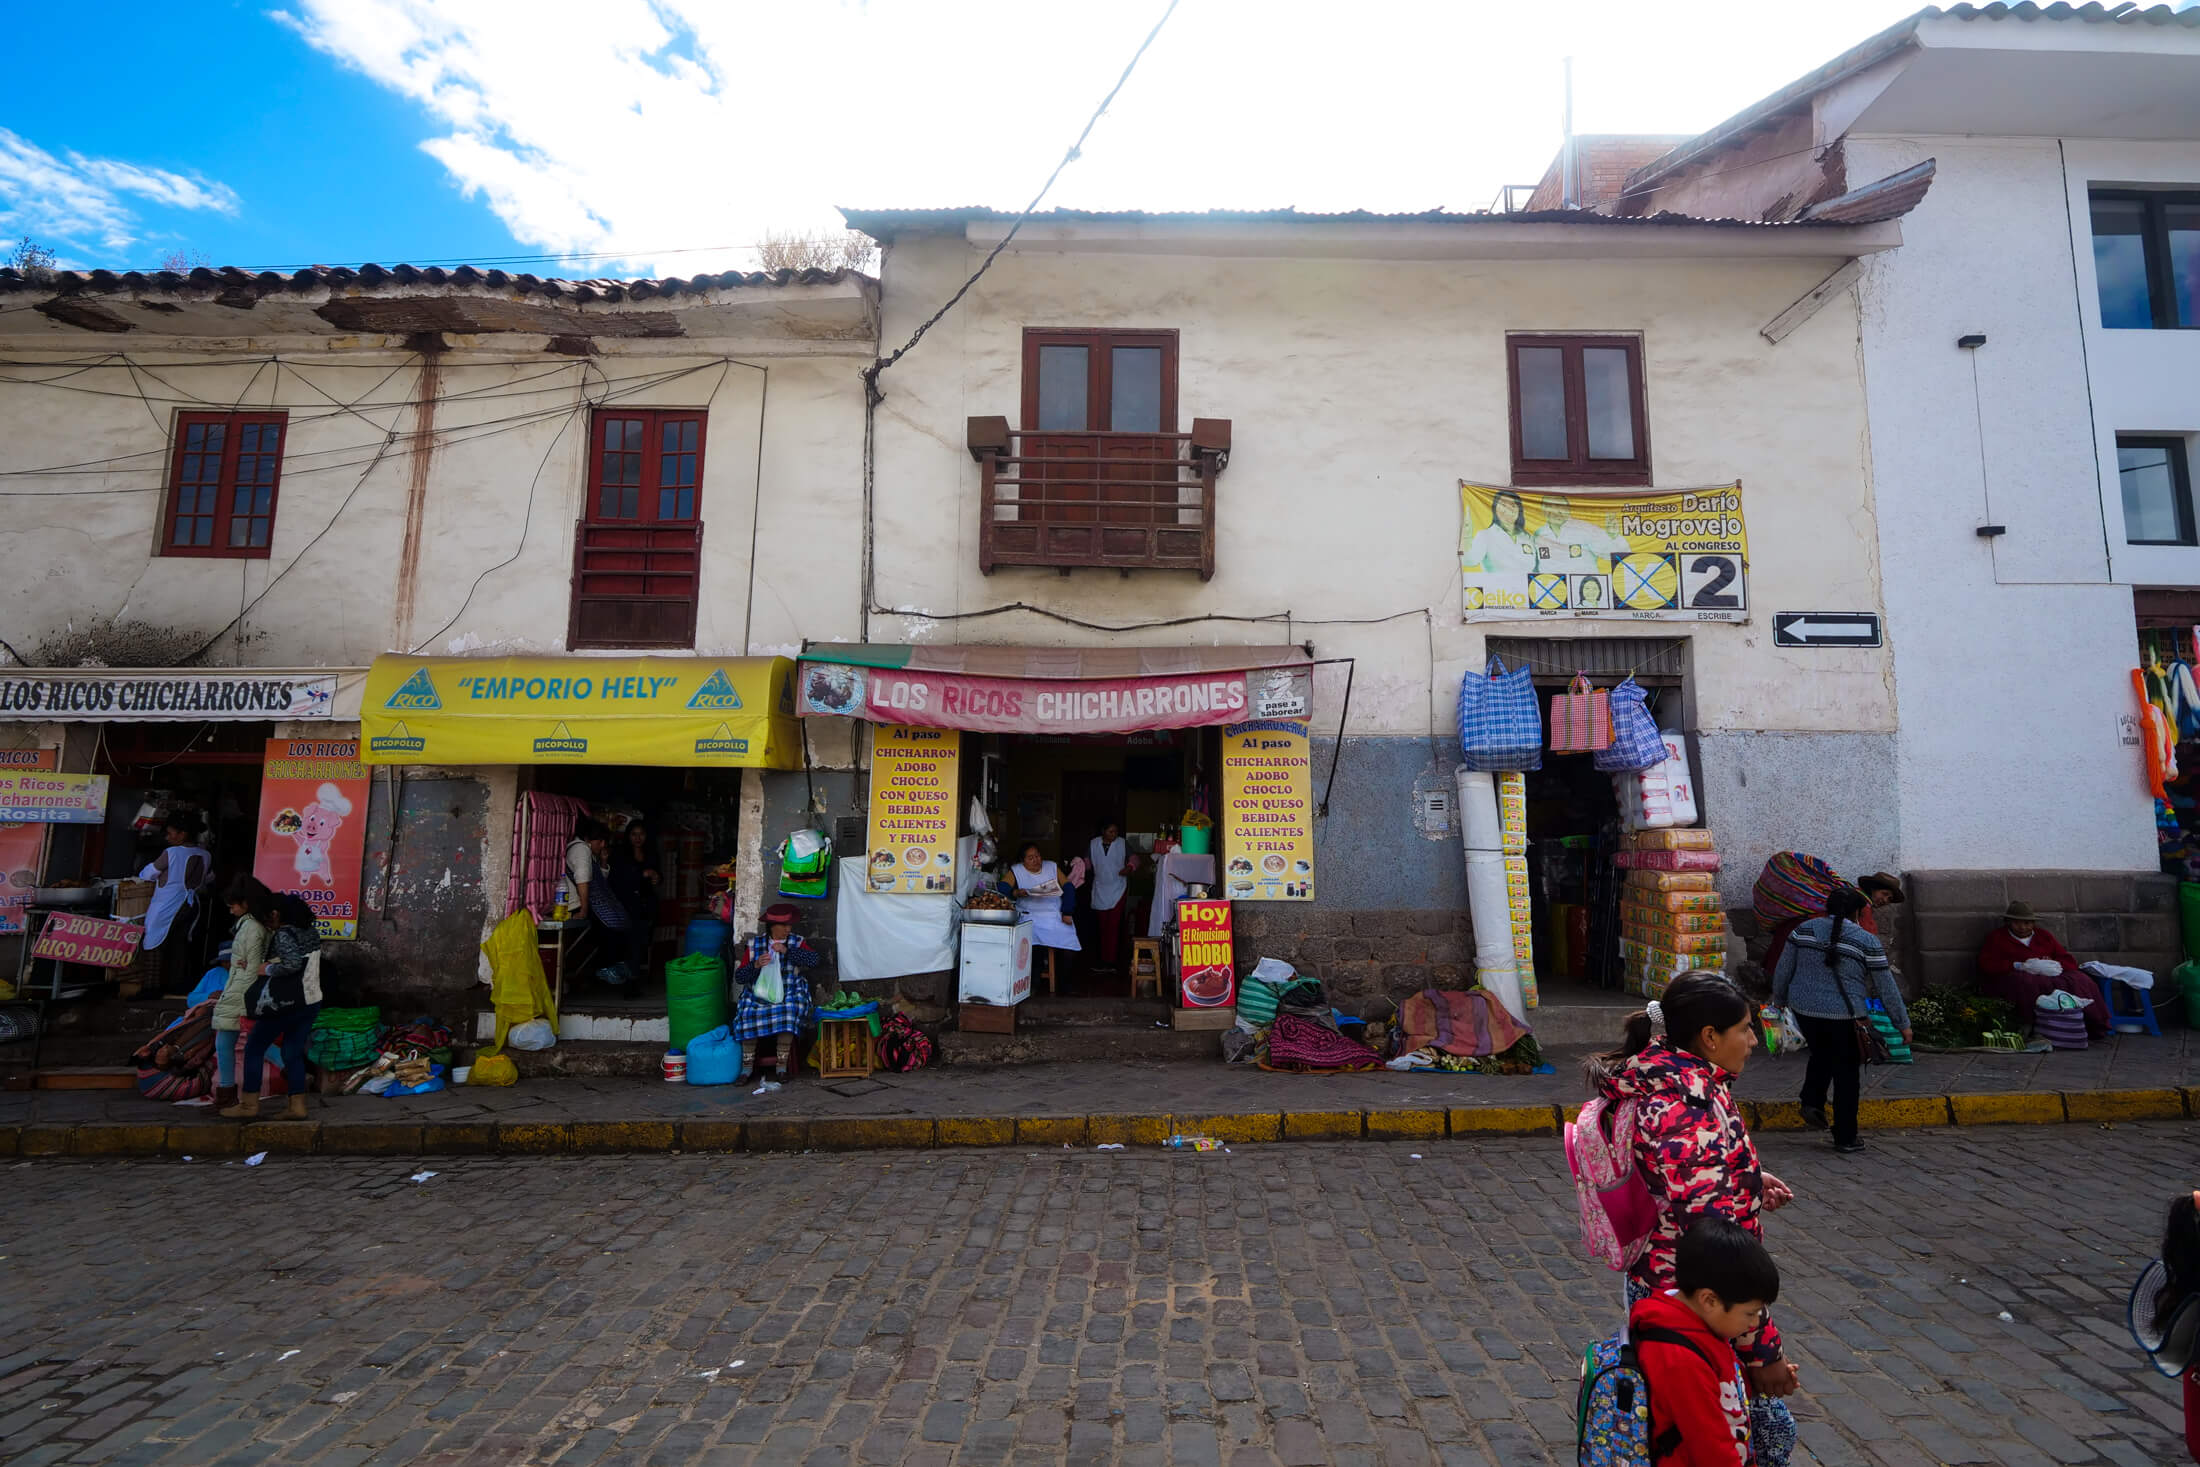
(172,922)
(1039,902)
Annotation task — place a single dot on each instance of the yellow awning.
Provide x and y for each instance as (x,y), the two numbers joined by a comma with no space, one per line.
(686,712)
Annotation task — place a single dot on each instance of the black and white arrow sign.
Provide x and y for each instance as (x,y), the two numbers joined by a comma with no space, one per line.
(1825,629)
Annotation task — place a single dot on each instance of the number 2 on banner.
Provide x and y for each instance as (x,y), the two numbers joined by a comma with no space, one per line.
(1713,583)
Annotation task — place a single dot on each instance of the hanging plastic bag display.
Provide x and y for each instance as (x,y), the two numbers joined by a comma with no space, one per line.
(1500,724)
(805,864)
(1581,718)
(1635,743)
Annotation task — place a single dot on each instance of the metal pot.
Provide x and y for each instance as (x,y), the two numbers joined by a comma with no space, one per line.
(992,917)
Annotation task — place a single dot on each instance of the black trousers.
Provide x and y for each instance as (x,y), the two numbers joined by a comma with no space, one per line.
(1835,1062)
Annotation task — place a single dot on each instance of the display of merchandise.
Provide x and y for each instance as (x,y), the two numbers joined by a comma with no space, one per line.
(1672,920)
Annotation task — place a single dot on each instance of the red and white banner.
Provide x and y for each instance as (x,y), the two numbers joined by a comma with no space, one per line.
(95,941)
(1038,705)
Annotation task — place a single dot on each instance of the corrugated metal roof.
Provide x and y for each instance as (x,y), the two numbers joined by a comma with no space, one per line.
(886,224)
(1889,198)
(1875,49)
(401,280)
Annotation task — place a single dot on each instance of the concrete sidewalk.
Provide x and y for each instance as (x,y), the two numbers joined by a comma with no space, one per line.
(2127,1078)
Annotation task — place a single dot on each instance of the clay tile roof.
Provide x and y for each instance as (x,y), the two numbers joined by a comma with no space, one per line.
(400,279)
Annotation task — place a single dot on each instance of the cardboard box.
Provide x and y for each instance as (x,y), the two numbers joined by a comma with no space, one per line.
(1203,1018)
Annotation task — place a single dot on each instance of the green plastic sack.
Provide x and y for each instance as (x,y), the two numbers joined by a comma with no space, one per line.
(695,996)
(2188,917)
(345,1039)
(1256,1003)
(2187,977)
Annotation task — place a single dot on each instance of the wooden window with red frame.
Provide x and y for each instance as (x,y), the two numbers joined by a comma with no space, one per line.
(1098,406)
(637,551)
(1577,410)
(222,482)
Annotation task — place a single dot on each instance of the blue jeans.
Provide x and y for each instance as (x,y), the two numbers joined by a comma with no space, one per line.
(291,1029)
(225,1058)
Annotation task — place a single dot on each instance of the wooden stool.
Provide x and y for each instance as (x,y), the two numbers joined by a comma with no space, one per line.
(1145,964)
(844,1049)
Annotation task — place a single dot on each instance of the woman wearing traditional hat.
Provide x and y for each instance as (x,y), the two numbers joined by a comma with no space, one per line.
(775,993)
(2021,962)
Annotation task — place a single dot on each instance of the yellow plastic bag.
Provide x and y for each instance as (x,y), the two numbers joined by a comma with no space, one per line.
(493,1069)
(517,988)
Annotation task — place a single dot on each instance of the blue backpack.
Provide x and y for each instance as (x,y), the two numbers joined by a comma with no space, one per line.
(1613,1416)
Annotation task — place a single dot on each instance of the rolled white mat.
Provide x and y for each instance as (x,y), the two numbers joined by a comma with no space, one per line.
(1479,828)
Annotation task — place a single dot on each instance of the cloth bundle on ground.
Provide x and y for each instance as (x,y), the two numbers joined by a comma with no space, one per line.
(1297,1042)
(1470,1023)
(518,990)
(345,1039)
(902,1046)
(178,1062)
(423,1038)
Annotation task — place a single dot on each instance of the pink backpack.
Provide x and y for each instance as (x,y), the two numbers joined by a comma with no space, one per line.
(1617,1210)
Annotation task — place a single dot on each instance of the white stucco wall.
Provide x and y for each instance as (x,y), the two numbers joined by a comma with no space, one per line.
(509,457)
(2011,656)
(1361,392)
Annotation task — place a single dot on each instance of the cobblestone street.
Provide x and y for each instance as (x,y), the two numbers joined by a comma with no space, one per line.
(1952,1296)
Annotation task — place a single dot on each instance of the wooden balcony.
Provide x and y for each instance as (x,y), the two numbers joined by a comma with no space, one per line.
(1120,501)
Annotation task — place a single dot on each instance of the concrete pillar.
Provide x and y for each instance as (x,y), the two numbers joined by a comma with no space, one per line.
(750,878)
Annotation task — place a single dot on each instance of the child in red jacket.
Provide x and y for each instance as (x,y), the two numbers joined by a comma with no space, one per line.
(1699,1403)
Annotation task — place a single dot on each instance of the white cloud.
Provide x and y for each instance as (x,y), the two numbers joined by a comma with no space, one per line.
(654,128)
(71,200)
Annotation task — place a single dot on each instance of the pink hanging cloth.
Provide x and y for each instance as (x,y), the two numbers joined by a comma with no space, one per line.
(542,827)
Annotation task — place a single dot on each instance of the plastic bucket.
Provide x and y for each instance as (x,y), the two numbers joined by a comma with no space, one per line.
(1195,841)
(705,935)
(676,1067)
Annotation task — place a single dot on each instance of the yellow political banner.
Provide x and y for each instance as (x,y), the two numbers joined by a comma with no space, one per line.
(916,775)
(685,712)
(1633,555)
(1267,811)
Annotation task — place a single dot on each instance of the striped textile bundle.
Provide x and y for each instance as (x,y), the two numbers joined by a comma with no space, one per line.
(1793,885)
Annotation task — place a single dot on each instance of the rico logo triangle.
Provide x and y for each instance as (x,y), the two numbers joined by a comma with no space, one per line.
(418,695)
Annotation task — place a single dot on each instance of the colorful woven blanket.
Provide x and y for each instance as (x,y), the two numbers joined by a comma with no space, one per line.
(1473,1023)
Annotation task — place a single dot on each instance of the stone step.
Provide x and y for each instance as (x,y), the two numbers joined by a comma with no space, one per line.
(1039,1044)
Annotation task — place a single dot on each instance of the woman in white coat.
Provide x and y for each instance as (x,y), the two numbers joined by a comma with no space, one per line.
(1110,858)
(174,921)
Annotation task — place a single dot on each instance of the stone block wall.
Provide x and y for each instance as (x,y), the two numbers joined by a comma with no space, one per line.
(1362,955)
(2126,918)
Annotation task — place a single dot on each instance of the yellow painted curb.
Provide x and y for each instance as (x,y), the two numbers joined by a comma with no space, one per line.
(871,1133)
(9,1139)
(976,1130)
(1773,1115)
(1504,1120)
(1570,1113)
(361,1138)
(205,1138)
(1405,1125)
(1128,1130)
(458,1138)
(2007,1108)
(43,1140)
(534,1138)
(1050,1130)
(111,1139)
(2124,1105)
(1239,1128)
(1323,1125)
(284,1138)
(776,1133)
(1895,1113)
(710,1135)
(621,1135)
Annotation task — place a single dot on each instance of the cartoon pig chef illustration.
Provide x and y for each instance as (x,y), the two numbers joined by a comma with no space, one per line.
(318,825)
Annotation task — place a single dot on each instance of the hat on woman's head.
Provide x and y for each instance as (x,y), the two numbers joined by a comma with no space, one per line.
(2020,912)
(780,914)
(1882,881)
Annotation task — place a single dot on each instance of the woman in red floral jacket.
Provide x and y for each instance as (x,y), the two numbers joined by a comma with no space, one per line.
(1678,1065)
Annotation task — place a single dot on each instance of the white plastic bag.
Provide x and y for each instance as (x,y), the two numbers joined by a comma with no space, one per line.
(770,986)
(534,1034)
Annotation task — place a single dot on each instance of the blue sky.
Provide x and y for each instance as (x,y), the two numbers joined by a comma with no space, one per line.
(670,135)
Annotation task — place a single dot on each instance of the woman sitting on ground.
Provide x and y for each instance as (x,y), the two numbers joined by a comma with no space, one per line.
(2021,962)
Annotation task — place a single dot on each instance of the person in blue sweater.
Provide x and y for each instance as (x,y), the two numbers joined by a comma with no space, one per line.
(1828,973)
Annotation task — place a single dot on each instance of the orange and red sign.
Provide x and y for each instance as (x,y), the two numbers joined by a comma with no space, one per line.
(22,844)
(313,828)
(1206,957)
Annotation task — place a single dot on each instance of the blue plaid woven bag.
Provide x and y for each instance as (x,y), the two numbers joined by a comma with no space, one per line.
(1500,723)
(1635,742)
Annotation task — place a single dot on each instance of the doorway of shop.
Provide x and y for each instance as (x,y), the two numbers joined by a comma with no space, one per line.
(1573,812)
(1060,791)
